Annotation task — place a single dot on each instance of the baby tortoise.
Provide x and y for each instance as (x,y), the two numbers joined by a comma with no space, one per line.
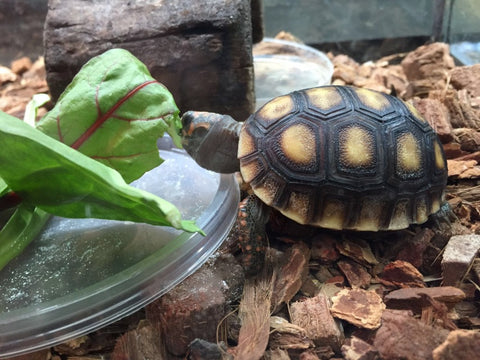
(336,157)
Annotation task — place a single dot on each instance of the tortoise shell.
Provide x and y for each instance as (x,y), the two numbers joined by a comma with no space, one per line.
(344,158)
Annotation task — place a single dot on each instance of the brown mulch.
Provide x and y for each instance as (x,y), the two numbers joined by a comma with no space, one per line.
(411,294)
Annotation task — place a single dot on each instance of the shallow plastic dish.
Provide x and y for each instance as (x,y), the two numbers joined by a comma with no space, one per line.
(283,66)
(80,275)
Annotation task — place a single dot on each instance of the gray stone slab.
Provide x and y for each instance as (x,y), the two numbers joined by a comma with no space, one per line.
(201,52)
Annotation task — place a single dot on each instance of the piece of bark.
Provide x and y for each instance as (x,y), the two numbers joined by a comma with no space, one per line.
(412,299)
(291,275)
(459,345)
(359,307)
(357,250)
(453,150)
(469,139)
(437,116)
(144,342)
(429,61)
(311,286)
(19,66)
(403,337)
(401,273)
(356,274)
(357,349)
(314,316)
(7,75)
(276,354)
(459,107)
(324,273)
(317,353)
(324,249)
(470,156)
(463,169)
(37,355)
(466,77)
(254,313)
(413,249)
(458,256)
(285,335)
(202,54)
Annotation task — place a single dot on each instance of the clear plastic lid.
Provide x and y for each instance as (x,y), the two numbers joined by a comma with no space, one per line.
(284,66)
(82,274)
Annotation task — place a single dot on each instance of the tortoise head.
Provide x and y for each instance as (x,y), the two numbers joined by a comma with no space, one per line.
(211,140)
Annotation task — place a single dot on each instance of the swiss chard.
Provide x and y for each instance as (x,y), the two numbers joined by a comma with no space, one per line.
(113,112)
(62,181)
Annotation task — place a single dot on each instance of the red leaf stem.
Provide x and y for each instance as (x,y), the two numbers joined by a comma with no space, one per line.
(102,118)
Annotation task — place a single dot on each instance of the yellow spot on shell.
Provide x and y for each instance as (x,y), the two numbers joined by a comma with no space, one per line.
(324,98)
(298,144)
(297,207)
(421,211)
(408,153)
(356,147)
(435,204)
(276,108)
(370,215)
(333,215)
(400,219)
(267,190)
(373,99)
(250,170)
(439,158)
(246,143)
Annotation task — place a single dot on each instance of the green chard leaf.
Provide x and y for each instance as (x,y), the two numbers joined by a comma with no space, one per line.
(62,181)
(114,111)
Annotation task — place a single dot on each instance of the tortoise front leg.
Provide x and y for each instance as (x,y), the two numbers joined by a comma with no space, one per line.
(253,214)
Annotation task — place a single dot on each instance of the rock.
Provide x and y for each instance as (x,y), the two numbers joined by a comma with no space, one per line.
(197,305)
(359,307)
(458,256)
(203,350)
(403,337)
(413,299)
(314,316)
(401,273)
(357,349)
(459,345)
(202,54)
